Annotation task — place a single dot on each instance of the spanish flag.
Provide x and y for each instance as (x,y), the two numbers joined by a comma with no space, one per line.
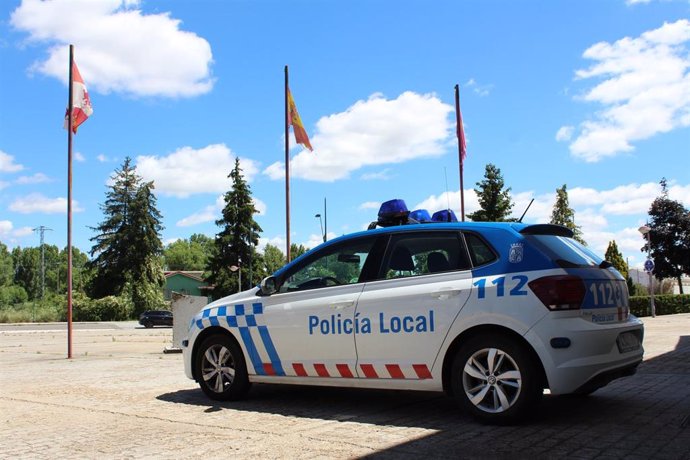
(296,122)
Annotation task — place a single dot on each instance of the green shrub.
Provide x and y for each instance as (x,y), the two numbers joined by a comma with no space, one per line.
(664,304)
(12,295)
(110,308)
(29,312)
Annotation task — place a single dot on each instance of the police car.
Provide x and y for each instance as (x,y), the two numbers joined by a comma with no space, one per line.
(491,313)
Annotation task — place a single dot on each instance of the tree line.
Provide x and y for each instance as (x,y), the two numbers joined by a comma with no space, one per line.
(127,259)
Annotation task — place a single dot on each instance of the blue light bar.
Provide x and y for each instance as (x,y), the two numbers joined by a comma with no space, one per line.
(392,209)
(420,215)
(445,215)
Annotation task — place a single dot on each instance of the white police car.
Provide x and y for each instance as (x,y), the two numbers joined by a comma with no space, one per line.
(492,313)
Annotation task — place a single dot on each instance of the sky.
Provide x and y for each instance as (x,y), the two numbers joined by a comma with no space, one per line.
(591,94)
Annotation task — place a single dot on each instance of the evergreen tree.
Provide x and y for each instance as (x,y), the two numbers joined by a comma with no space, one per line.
(669,237)
(127,248)
(564,215)
(614,256)
(495,202)
(234,244)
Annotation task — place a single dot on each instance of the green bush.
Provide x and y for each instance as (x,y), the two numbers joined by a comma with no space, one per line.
(664,304)
(12,295)
(111,308)
(29,312)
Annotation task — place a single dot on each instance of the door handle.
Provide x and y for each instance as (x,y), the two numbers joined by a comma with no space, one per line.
(445,294)
(343,304)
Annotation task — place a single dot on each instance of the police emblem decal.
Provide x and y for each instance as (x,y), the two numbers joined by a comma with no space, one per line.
(516,253)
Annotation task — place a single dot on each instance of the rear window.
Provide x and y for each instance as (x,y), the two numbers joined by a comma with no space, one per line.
(566,252)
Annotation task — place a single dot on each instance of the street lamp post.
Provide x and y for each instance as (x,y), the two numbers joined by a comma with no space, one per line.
(323,223)
(649,266)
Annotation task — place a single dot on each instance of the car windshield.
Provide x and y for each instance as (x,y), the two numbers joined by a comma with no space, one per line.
(567,252)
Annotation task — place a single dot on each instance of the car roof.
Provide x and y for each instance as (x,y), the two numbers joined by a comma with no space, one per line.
(517,227)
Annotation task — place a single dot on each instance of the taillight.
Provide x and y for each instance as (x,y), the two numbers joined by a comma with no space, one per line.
(565,292)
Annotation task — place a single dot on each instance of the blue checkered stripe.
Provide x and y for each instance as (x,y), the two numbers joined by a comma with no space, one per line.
(244,321)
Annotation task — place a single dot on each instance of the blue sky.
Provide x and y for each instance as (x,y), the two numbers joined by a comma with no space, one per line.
(592,94)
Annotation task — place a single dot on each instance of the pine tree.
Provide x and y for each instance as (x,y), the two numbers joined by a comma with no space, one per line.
(564,215)
(234,243)
(127,248)
(669,237)
(495,202)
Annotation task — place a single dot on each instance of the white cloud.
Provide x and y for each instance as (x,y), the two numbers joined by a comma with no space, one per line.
(102,158)
(645,90)
(449,199)
(37,178)
(373,132)
(380,175)
(370,205)
(277,241)
(79,157)
(37,203)
(8,232)
(4,184)
(480,90)
(118,48)
(7,163)
(565,133)
(212,212)
(189,171)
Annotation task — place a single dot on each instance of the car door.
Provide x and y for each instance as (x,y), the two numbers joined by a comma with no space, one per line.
(424,282)
(311,319)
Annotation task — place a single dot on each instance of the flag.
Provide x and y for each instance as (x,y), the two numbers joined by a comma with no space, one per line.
(461,135)
(296,122)
(81,104)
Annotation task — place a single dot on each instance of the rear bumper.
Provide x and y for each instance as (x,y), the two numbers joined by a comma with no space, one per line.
(606,377)
(593,358)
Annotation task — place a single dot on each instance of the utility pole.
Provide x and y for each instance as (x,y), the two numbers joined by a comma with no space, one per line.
(41,231)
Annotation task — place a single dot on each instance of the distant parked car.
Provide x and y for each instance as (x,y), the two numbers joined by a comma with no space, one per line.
(156,318)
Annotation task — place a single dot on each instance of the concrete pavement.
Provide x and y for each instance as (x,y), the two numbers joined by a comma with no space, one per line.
(121,397)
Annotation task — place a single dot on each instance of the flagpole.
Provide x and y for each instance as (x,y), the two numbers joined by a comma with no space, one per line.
(458,121)
(70,120)
(287,171)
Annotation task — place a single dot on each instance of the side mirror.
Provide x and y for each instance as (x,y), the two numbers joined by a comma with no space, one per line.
(268,286)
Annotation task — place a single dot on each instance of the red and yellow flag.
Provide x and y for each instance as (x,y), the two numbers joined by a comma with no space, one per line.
(81,104)
(296,122)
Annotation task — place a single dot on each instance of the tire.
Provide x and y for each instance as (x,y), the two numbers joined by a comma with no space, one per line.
(221,369)
(148,324)
(495,379)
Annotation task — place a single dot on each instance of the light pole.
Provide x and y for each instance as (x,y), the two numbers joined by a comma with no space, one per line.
(321,224)
(324,223)
(237,268)
(649,266)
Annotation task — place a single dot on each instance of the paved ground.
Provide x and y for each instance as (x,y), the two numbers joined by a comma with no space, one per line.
(122,397)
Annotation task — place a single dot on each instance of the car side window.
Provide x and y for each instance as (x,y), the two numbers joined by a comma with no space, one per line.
(338,265)
(424,253)
(480,251)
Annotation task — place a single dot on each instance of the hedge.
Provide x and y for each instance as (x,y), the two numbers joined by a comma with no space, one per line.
(664,304)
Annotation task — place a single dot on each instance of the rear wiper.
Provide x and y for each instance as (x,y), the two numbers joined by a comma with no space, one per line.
(605,264)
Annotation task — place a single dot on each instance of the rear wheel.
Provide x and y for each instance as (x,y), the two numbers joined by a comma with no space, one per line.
(148,324)
(495,379)
(221,369)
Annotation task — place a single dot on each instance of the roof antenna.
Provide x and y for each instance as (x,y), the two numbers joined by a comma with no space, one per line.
(523,214)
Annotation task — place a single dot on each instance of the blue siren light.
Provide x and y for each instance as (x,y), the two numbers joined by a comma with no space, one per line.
(392,209)
(445,215)
(420,215)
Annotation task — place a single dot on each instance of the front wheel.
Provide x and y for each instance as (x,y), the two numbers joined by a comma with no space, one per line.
(221,369)
(495,379)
